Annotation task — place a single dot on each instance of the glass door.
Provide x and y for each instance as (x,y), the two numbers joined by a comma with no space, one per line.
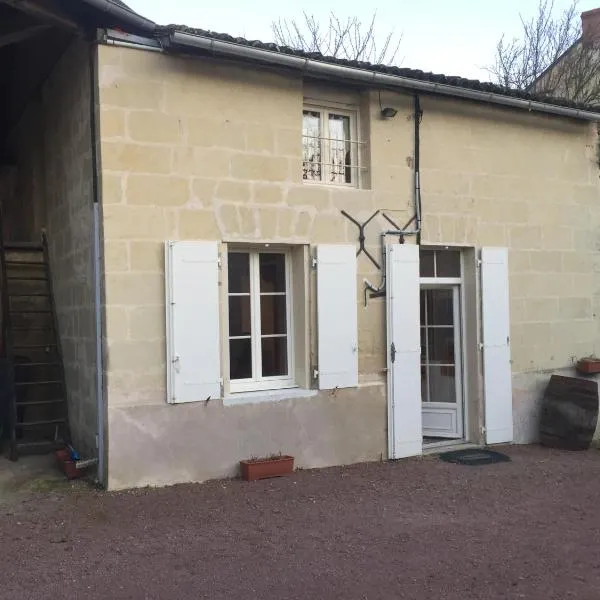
(441,371)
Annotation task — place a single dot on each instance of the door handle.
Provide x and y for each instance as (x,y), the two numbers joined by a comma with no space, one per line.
(393,352)
(176,362)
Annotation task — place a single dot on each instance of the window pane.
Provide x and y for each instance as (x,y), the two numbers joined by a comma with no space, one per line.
(274,356)
(239,272)
(426,263)
(340,149)
(273,315)
(240,359)
(423,345)
(272,273)
(311,145)
(442,383)
(448,263)
(424,396)
(440,307)
(239,315)
(441,345)
(423,304)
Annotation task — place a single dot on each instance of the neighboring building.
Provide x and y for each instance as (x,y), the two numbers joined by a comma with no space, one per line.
(575,74)
(201,196)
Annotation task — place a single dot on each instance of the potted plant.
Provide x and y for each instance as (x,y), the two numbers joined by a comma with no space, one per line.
(588,365)
(274,465)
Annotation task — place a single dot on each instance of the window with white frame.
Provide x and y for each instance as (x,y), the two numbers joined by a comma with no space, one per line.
(260,344)
(330,146)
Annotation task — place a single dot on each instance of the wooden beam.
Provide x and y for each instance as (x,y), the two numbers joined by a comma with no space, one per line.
(13,37)
(43,10)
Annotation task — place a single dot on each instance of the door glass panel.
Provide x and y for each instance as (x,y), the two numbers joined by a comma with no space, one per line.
(440,341)
(424,392)
(240,359)
(440,307)
(442,381)
(238,269)
(448,263)
(274,356)
(426,260)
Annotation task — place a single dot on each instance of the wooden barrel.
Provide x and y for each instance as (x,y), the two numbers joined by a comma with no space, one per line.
(569,413)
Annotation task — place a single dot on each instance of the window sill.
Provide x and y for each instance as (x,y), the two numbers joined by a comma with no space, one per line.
(267,396)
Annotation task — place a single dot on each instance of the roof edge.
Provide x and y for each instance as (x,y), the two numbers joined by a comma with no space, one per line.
(176,39)
(122,13)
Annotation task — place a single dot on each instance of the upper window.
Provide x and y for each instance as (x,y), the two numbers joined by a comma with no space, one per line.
(260,344)
(440,264)
(330,149)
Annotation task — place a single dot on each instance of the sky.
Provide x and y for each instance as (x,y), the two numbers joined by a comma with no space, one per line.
(453,37)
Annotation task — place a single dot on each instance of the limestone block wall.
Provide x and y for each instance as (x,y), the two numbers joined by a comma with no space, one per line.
(195,149)
(54,191)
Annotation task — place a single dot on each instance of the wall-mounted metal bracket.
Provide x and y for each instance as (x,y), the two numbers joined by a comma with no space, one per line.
(361,235)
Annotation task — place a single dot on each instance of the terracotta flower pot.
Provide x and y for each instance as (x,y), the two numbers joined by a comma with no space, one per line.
(263,468)
(67,466)
(588,366)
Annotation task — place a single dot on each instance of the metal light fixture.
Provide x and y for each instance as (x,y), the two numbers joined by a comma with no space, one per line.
(388,112)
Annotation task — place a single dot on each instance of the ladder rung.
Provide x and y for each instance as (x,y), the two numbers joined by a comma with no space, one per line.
(50,382)
(40,445)
(40,423)
(25,263)
(32,328)
(33,295)
(37,402)
(23,246)
(37,364)
(34,311)
(25,278)
(34,346)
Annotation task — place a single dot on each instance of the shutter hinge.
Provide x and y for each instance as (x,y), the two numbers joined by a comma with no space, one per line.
(219,261)
(222,386)
(393,352)
(314,263)
(315,373)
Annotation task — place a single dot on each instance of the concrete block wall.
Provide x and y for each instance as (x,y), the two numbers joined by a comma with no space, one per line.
(196,149)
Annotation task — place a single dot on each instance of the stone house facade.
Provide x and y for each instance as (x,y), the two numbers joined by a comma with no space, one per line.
(244,312)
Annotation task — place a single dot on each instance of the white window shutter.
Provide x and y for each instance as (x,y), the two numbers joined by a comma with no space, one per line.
(405,437)
(193,334)
(337,316)
(497,374)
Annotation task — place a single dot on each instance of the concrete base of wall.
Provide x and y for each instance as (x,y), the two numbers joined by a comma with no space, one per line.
(168,444)
(163,445)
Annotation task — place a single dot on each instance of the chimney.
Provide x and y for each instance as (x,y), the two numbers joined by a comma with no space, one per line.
(590,26)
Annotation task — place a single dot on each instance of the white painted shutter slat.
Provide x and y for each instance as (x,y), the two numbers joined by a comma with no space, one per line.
(192,311)
(497,374)
(337,316)
(404,366)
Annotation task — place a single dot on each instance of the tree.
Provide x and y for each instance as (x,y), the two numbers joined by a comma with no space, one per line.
(550,58)
(345,38)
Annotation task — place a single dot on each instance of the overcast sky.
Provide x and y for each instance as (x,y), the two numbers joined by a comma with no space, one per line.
(454,37)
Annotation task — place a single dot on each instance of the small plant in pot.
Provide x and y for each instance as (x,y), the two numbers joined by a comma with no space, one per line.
(274,465)
(588,365)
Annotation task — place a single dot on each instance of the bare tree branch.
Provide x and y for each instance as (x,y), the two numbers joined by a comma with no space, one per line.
(345,38)
(549,57)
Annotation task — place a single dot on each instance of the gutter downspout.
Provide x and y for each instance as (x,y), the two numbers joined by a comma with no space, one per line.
(416,218)
(375,79)
(123,14)
(97,270)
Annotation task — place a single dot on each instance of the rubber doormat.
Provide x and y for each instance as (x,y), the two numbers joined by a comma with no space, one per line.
(474,457)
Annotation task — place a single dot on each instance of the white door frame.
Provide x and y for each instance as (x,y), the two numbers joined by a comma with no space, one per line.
(456,410)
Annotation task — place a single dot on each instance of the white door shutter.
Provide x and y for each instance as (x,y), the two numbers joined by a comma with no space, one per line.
(404,351)
(193,334)
(337,316)
(496,350)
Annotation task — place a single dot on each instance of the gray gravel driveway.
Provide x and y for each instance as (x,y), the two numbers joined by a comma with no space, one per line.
(417,529)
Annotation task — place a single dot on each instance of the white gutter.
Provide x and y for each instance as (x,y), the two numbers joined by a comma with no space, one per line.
(308,65)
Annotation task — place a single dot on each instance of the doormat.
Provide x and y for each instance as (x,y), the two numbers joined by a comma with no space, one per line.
(474,457)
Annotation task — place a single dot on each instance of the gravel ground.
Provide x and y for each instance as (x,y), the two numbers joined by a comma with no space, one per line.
(417,528)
